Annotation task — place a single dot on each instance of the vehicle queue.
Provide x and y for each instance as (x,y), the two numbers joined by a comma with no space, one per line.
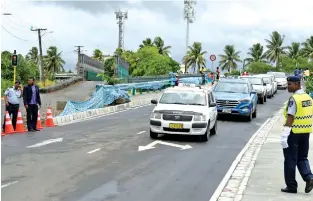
(188,109)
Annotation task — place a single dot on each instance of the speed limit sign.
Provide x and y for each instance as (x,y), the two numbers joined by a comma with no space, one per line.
(212,57)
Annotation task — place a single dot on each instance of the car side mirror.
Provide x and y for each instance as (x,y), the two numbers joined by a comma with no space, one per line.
(264,84)
(253,92)
(212,104)
(154,101)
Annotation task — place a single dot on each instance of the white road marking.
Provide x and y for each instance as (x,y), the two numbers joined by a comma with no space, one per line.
(93,151)
(233,166)
(152,144)
(95,117)
(8,184)
(43,143)
(141,132)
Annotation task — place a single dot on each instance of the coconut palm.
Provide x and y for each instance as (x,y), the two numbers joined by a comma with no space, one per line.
(98,55)
(33,55)
(146,42)
(195,57)
(53,61)
(293,50)
(230,58)
(256,54)
(307,50)
(159,43)
(275,47)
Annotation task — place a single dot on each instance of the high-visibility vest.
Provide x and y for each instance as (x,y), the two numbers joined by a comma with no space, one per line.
(304,115)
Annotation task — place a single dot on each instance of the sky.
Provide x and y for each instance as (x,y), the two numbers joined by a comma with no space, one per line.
(93,24)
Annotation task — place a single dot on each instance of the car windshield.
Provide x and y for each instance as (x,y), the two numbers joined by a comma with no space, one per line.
(254,80)
(280,75)
(231,87)
(266,80)
(183,98)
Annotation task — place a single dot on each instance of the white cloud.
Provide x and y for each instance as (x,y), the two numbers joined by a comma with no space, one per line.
(217,24)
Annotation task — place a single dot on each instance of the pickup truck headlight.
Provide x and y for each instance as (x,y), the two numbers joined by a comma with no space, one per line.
(156,115)
(199,118)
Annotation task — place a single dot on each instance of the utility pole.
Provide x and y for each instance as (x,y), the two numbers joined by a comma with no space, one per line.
(79,68)
(121,17)
(189,15)
(42,77)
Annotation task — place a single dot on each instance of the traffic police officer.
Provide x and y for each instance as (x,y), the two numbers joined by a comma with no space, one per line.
(295,138)
(12,102)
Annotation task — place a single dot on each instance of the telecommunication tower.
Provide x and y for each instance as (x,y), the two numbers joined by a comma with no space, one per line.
(189,15)
(121,17)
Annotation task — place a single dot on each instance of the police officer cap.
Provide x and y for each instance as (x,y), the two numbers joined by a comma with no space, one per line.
(293,79)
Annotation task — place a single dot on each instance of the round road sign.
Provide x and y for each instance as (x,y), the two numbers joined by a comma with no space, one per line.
(212,57)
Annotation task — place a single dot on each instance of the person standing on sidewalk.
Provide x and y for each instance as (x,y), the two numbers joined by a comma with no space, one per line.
(12,102)
(295,138)
(32,103)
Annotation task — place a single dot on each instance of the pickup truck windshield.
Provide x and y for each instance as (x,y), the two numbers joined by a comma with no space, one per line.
(231,87)
(183,98)
(255,80)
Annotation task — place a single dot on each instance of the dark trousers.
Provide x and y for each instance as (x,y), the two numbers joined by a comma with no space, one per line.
(297,155)
(32,115)
(13,111)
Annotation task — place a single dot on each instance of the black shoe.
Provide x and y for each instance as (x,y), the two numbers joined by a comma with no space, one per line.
(36,130)
(31,130)
(288,190)
(309,186)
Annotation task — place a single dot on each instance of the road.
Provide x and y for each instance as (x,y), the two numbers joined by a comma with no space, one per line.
(99,160)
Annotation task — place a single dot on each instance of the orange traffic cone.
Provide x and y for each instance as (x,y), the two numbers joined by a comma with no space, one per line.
(38,125)
(49,118)
(19,123)
(8,124)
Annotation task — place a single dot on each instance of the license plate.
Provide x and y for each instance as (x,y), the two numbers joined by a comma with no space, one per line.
(226,110)
(176,126)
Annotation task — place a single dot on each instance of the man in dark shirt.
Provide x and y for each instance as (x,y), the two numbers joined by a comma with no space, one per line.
(32,103)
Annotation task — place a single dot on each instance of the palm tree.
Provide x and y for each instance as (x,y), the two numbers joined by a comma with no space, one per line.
(293,50)
(275,48)
(256,53)
(230,58)
(53,60)
(195,57)
(98,55)
(159,43)
(33,55)
(307,50)
(146,42)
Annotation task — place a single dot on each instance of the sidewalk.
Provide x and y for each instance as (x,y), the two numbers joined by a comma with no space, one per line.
(259,173)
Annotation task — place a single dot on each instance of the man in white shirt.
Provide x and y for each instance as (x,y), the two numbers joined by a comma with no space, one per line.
(12,102)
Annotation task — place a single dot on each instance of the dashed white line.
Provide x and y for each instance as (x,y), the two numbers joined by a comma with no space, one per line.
(141,132)
(93,151)
(8,184)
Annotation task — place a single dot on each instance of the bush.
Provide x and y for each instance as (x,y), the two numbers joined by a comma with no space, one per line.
(47,83)
(60,86)
(259,68)
(4,85)
(309,85)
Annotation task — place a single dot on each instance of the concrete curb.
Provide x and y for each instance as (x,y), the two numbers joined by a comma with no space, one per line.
(235,181)
(100,111)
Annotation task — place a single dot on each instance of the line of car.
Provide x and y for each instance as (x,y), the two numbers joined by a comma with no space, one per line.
(193,110)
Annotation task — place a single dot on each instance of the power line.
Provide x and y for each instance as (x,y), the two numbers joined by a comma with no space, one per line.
(13,34)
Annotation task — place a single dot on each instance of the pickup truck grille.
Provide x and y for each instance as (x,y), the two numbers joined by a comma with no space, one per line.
(172,117)
(227,103)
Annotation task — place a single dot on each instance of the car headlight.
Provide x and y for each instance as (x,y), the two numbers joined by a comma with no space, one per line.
(199,118)
(156,115)
(245,109)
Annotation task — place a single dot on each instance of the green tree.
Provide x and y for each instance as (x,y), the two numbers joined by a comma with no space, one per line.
(307,50)
(53,61)
(33,55)
(146,42)
(159,43)
(109,66)
(293,50)
(275,47)
(289,65)
(256,54)
(229,59)
(259,67)
(195,57)
(98,55)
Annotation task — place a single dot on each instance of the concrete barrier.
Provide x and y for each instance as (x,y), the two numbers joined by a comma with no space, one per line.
(100,111)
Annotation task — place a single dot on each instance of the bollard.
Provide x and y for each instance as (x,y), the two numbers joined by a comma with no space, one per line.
(134,91)
(140,91)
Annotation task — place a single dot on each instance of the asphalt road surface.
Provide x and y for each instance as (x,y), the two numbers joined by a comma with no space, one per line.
(98,160)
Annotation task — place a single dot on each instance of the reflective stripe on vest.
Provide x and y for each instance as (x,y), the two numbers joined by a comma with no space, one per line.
(304,115)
